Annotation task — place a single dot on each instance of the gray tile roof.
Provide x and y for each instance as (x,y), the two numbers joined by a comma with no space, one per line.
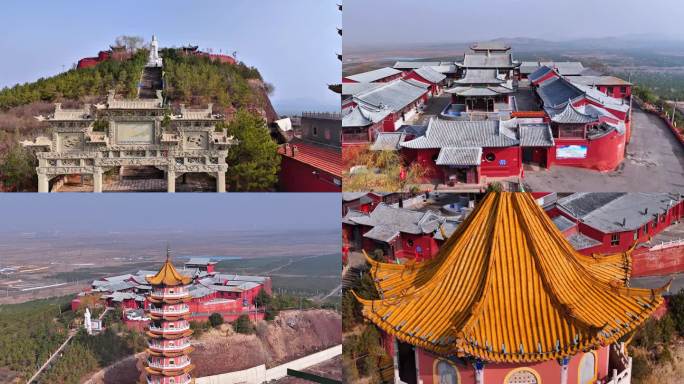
(565,68)
(416,64)
(459,156)
(608,211)
(351,196)
(387,221)
(375,75)
(350,89)
(539,73)
(479,91)
(444,68)
(536,135)
(199,261)
(490,45)
(417,83)
(454,133)
(605,100)
(527,67)
(480,76)
(580,241)
(556,92)
(493,60)
(569,115)
(362,117)
(388,141)
(429,74)
(394,95)
(563,223)
(598,80)
(382,233)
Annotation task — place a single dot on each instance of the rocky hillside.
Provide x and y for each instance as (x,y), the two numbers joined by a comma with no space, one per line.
(291,335)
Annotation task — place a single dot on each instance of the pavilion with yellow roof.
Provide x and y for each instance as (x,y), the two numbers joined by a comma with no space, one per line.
(169,332)
(508,300)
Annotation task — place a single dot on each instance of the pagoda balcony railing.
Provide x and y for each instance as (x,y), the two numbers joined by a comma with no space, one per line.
(168,366)
(175,295)
(161,311)
(170,330)
(158,380)
(169,348)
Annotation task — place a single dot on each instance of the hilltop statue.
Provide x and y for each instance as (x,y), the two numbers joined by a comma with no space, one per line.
(154,60)
(87,323)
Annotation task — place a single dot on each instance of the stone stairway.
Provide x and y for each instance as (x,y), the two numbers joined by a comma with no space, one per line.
(150,82)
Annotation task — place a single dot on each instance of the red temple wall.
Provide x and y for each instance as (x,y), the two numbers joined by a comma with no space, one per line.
(603,154)
(511,156)
(548,371)
(296,176)
(646,262)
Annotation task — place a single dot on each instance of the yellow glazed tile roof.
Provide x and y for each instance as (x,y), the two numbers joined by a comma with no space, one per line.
(508,287)
(168,275)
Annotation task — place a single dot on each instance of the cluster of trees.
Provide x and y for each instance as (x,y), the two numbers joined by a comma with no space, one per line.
(199,80)
(665,106)
(652,345)
(31,332)
(380,171)
(17,167)
(362,353)
(78,83)
(87,353)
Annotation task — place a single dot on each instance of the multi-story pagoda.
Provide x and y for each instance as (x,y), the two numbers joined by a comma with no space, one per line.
(168,360)
(508,300)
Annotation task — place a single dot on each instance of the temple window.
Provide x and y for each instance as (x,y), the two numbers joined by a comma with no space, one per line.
(636,234)
(623,90)
(588,369)
(609,90)
(490,156)
(446,372)
(615,239)
(522,376)
(315,131)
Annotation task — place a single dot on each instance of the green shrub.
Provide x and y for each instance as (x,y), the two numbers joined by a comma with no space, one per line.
(215,319)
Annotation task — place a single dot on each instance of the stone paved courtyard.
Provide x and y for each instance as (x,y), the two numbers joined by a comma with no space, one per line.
(654,163)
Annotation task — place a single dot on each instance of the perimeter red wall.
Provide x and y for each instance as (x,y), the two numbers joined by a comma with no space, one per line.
(646,262)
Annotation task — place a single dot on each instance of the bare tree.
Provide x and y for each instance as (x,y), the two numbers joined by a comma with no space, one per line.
(132,43)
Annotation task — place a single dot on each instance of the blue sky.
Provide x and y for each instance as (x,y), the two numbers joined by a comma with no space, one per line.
(439,21)
(30,212)
(293,43)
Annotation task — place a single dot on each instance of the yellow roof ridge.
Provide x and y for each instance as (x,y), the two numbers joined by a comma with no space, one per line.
(507,286)
(168,275)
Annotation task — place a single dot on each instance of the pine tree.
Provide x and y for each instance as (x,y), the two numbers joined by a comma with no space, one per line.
(254,162)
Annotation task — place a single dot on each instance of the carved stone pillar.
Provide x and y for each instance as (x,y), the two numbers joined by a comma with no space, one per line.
(220,181)
(171,181)
(97,180)
(43,183)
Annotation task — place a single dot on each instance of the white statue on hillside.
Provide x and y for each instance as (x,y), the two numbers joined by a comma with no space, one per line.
(87,323)
(154,60)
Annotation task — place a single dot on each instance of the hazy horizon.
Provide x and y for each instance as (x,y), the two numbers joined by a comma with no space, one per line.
(157,212)
(433,22)
(293,51)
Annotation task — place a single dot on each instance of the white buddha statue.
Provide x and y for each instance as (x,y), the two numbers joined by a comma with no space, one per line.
(154,60)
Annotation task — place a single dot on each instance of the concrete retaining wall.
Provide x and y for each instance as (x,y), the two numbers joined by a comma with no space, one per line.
(260,374)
